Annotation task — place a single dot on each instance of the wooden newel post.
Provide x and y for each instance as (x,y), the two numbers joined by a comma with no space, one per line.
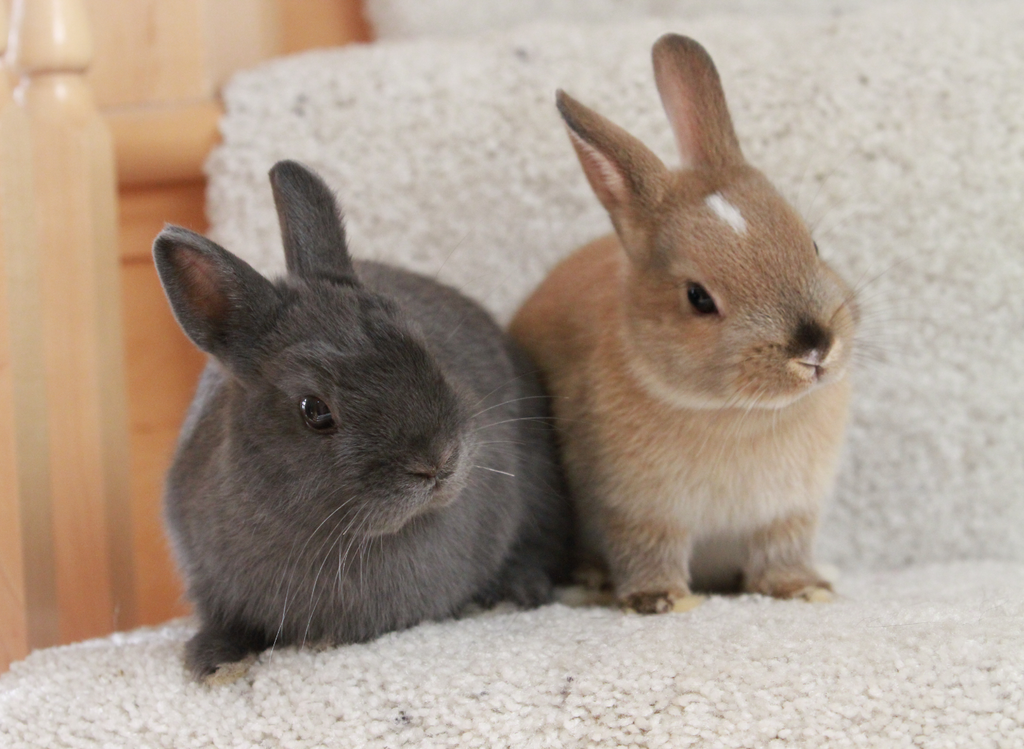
(24,467)
(83,403)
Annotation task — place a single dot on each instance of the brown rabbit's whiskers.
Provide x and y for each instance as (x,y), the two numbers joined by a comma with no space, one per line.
(874,320)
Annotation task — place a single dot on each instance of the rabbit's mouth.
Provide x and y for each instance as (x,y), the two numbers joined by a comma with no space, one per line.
(423,492)
(438,476)
(447,484)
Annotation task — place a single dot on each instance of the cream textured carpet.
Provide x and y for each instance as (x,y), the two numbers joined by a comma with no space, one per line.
(404,19)
(899,132)
(930,658)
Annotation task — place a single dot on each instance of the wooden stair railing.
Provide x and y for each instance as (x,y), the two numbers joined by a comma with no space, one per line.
(24,468)
(81,519)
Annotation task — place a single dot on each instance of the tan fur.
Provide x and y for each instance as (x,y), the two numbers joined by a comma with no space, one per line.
(681,430)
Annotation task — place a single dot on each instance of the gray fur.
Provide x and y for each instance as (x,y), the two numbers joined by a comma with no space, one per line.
(288,536)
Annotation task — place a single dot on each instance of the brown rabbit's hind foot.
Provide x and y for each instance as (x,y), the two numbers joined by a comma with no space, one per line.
(593,576)
(589,586)
(584,596)
(687,603)
(796,585)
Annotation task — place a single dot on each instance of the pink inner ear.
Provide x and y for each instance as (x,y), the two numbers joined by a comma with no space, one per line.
(605,178)
(678,103)
(201,284)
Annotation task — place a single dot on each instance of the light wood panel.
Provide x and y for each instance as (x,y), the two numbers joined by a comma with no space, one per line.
(310,24)
(238,35)
(149,51)
(163,132)
(162,370)
(163,145)
(173,51)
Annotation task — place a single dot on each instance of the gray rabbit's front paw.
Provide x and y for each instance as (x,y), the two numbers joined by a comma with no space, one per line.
(220,656)
(520,582)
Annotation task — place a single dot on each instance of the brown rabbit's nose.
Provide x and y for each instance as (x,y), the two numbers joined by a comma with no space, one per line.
(809,349)
(811,342)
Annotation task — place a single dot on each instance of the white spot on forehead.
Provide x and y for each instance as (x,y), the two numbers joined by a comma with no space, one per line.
(726,211)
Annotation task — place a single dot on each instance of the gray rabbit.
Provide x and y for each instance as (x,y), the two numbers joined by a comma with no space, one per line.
(366,449)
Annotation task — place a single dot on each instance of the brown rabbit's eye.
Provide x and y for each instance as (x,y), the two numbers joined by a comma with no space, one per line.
(316,413)
(700,299)
(816,250)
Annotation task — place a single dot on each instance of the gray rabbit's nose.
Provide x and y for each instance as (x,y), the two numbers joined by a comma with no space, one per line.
(431,477)
(436,471)
(427,473)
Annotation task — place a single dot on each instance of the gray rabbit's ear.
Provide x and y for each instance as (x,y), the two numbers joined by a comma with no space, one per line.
(312,228)
(220,301)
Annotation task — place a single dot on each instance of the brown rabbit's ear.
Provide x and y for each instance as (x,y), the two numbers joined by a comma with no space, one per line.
(312,229)
(626,176)
(694,101)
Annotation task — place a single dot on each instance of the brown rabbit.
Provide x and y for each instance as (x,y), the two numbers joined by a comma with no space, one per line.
(697,358)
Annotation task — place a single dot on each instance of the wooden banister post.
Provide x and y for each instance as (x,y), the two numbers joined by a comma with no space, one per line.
(23,443)
(79,294)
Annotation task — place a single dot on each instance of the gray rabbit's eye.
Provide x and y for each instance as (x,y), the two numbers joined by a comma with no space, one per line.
(700,299)
(316,413)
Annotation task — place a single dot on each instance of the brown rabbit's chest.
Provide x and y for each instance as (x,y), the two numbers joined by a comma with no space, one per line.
(712,472)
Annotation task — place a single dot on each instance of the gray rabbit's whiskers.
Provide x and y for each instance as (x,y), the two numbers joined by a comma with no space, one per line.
(511,421)
(327,555)
(522,375)
(495,470)
(449,256)
(289,567)
(511,400)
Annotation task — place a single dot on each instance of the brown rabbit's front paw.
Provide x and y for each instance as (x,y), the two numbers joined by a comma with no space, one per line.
(661,602)
(816,594)
(650,603)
